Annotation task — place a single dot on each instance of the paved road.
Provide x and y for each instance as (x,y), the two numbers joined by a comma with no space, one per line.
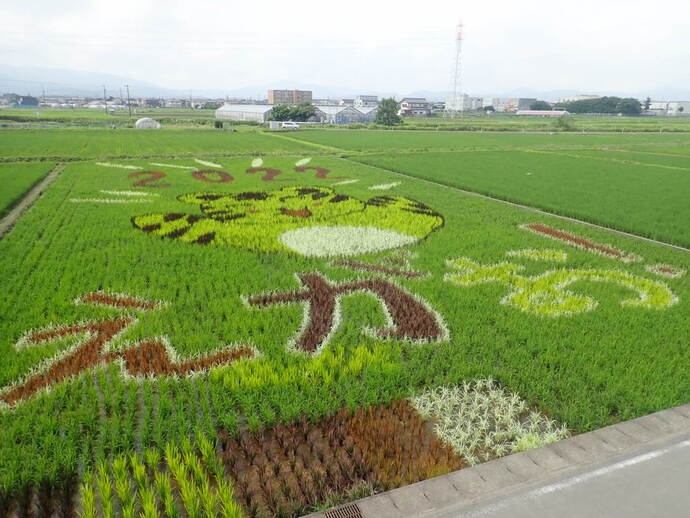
(650,484)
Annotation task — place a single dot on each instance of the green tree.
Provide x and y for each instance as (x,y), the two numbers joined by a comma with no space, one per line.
(629,106)
(647,103)
(281,112)
(540,105)
(387,113)
(302,111)
(489,109)
(564,123)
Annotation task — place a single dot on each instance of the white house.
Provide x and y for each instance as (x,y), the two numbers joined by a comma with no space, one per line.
(365,101)
(414,107)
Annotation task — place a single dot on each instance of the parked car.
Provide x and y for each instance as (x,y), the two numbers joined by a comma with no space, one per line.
(289,125)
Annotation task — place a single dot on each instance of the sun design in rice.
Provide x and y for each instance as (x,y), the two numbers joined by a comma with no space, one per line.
(311,221)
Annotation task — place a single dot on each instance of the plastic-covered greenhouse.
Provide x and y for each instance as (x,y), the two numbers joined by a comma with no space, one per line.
(147,123)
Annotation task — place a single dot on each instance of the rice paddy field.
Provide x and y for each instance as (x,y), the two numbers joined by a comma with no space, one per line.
(201,323)
(17,179)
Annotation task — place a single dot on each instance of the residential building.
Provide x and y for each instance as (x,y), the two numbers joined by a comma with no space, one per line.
(362,101)
(669,108)
(26,101)
(289,96)
(511,104)
(346,102)
(245,112)
(465,103)
(414,107)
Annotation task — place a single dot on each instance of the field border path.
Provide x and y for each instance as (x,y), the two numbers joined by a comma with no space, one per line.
(524,207)
(490,486)
(28,200)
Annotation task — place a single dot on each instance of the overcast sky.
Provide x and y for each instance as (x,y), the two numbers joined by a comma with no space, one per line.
(579,45)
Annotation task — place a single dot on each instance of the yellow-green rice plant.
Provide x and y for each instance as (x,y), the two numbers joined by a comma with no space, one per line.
(208,499)
(188,489)
(105,489)
(228,507)
(138,471)
(165,494)
(122,484)
(148,503)
(88,498)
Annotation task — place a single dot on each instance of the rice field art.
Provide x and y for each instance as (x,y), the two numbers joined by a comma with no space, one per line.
(271,336)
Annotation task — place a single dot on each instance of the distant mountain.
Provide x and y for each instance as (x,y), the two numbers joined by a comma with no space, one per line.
(32,81)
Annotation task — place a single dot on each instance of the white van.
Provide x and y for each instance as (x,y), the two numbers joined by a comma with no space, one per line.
(289,125)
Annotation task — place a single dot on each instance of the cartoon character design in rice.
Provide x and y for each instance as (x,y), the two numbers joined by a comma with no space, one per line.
(311,221)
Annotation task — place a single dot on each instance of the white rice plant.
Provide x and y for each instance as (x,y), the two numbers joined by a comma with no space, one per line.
(207,163)
(173,166)
(481,420)
(384,186)
(302,162)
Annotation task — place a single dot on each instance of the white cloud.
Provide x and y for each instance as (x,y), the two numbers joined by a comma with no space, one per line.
(538,44)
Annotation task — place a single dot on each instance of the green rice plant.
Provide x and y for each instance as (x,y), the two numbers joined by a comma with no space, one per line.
(152,458)
(481,420)
(18,179)
(208,454)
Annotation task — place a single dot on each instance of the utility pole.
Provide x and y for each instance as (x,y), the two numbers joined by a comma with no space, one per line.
(190,99)
(105,101)
(44,93)
(129,105)
(457,98)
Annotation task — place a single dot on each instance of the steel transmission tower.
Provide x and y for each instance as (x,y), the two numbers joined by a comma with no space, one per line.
(455,102)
